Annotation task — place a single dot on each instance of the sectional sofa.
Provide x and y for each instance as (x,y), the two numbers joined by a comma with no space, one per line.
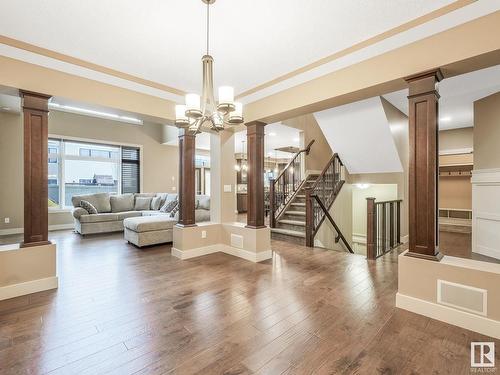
(113,210)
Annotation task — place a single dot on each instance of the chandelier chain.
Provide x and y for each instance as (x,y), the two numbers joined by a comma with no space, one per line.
(208,24)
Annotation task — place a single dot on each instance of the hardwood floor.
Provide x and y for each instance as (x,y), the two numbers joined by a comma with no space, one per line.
(121,310)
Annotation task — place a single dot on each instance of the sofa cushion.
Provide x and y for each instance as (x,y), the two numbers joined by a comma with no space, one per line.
(201,215)
(99,200)
(78,212)
(89,207)
(153,213)
(169,205)
(155,203)
(144,195)
(142,203)
(149,223)
(99,218)
(122,202)
(203,202)
(126,214)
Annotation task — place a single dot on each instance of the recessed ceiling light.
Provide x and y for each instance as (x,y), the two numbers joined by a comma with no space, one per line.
(445,119)
(272,134)
(363,186)
(90,112)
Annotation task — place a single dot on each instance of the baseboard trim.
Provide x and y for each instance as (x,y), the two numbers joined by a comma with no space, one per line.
(226,249)
(6,232)
(404,239)
(476,323)
(22,289)
(487,251)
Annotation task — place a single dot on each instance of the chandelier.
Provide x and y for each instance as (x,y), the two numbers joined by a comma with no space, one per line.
(205,112)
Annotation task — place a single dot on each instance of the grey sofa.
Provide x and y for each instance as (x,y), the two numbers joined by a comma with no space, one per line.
(113,209)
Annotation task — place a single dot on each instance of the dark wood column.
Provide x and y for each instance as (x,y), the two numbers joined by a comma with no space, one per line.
(35,113)
(255,179)
(187,147)
(423,185)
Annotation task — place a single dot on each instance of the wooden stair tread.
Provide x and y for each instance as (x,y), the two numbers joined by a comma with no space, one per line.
(288,232)
(292,222)
(299,213)
(298,204)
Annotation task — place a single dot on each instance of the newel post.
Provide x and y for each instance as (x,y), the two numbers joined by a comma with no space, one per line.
(272,220)
(309,218)
(371,228)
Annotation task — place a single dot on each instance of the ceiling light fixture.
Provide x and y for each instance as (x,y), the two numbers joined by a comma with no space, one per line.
(91,112)
(445,119)
(204,112)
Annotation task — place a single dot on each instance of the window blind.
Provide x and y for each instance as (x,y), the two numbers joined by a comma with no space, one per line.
(130,170)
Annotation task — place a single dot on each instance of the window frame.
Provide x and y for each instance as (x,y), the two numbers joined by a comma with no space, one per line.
(61,163)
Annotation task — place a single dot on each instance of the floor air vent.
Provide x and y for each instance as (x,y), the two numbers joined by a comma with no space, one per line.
(237,241)
(462,297)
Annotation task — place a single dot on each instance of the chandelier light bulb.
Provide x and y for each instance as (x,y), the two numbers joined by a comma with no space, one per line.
(193,106)
(236,116)
(181,120)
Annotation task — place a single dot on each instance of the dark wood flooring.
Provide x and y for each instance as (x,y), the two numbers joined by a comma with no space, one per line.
(121,310)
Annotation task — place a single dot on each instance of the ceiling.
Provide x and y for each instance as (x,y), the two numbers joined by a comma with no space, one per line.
(361,134)
(163,40)
(457,96)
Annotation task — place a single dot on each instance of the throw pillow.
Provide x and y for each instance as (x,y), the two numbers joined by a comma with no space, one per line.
(142,203)
(204,202)
(168,206)
(155,203)
(121,203)
(174,210)
(89,207)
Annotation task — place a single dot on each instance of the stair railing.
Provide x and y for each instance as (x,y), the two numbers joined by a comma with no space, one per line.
(383,232)
(320,197)
(284,187)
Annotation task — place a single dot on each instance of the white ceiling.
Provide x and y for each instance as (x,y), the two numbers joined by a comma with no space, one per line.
(163,40)
(458,94)
(360,133)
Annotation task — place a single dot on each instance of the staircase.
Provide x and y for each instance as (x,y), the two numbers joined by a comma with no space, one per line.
(291,225)
(298,206)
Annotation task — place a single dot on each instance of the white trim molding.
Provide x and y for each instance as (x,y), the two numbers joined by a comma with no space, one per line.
(226,249)
(486,176)
(9,231)
(473,322)
(457,151)
(34,286)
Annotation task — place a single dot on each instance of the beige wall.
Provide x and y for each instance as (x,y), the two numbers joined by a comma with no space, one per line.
(160,162)
(382,192)
(341,212)
(456,139)
(487,132)
(455,192)
(11,170)
(417,290)
(320,151)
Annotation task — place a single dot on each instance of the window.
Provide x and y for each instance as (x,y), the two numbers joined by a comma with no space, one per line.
(130,170)
(77,168)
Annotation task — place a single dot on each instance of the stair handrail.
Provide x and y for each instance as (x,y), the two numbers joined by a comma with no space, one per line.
(340,236)
(319,200)
(280,192)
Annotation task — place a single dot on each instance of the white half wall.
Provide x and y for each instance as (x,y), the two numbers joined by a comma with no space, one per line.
(486,212)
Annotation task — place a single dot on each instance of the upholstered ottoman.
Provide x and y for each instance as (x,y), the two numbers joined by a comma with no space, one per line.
(149,230)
